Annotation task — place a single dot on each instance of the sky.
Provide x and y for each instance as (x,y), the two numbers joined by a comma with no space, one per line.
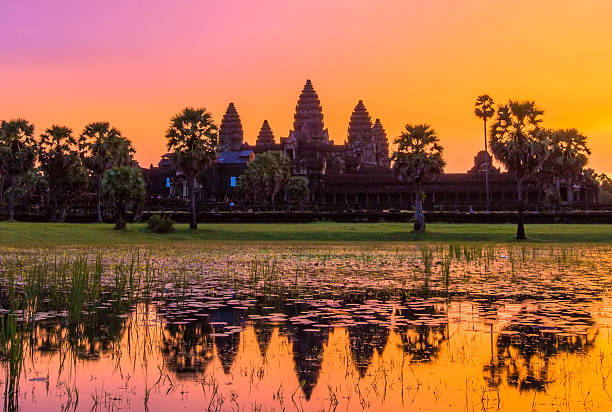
(137,63)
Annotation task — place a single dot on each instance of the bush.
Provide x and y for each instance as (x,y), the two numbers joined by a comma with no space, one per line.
(160,224)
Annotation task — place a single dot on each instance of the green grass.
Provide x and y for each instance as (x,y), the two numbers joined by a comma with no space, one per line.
(67,234)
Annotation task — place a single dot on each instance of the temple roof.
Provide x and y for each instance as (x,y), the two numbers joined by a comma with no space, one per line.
(265,137)
(308,118)
(360,125)
(230,133)
(235,156)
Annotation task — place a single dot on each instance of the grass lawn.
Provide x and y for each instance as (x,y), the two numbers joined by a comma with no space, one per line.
(67,234)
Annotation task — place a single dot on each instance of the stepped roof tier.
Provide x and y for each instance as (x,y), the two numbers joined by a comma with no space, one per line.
(230,134)
(265,137)
(360,126)
(382,144)
(308,118)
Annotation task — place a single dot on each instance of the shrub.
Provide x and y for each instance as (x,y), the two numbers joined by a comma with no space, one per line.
(160,224)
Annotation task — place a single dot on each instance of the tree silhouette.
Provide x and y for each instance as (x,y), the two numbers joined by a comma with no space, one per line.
(17,154)
(418,159)
(62,167)
(266,176)
(569,155)
(519,143)
(297,189)
(484,109)
(125,187)
(192,138)
(103,147)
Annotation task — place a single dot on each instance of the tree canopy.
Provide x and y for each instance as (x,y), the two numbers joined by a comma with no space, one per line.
(520,144)
(103,147)
(17,154)
(265,177)
(60,161)
(297,189)
(125,187)
(418,159)
(193,141)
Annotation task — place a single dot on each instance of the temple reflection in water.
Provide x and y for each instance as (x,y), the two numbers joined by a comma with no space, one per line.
(375,351)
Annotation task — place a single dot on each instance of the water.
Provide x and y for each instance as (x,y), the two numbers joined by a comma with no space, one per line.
(294,327)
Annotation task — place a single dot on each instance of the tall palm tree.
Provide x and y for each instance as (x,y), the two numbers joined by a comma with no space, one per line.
(418,159)
(193,139)
(519,143)
(17,154)
(61,164)
(484,109)
(103,147)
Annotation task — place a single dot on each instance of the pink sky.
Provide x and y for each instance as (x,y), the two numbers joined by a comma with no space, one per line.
(136,63)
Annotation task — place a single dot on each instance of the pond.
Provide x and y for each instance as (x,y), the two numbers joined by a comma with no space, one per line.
(307,327)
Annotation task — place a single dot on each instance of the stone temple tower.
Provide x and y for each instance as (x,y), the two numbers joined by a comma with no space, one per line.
(265,136)
(360,137)
(381,144)
(308,118)
(230,133)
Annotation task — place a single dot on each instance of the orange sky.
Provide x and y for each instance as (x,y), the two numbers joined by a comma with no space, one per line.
(135,65)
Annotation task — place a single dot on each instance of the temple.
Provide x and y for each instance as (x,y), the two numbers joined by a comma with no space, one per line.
(230,133)
(354,175)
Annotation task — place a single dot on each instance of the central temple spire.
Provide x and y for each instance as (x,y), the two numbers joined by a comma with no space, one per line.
(308,119)
(360,125)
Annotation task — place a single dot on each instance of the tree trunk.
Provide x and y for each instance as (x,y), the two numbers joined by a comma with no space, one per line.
(12,199)
(520,230)
(120,220)
(1,189)
(419,217)
(486,166)
(62,213)
(193,225)
(570,192)
(99,199)
(53,216)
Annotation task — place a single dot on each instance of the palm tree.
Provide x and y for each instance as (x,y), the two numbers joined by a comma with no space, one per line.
(103,147)
(17,154)
(192,137)
(569,155)
(60,161)
(418,159)
(266,176)
(125,186)
(519,143)
(279,173)
(484,109)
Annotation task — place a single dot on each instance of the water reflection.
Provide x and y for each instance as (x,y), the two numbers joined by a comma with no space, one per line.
(331,347)
(535,335)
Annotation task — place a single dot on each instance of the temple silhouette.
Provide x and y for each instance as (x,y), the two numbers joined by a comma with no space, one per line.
(354,175)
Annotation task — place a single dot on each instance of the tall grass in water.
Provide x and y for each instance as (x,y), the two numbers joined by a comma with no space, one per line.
(11,350)
(445,266)
(265,276)
(78,290)
(427,260)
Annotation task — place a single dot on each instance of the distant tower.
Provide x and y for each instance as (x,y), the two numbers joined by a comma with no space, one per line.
(360,140)
(230,133)
(308,118)
(265,136)
(381,143)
